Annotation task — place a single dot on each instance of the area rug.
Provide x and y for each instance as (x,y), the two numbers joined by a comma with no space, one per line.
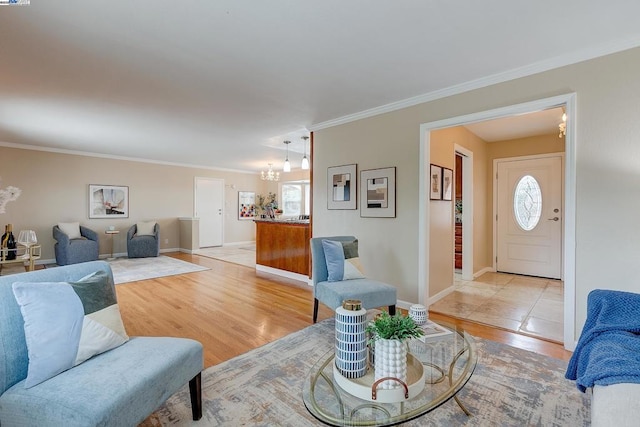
(133,269)
(510,387)
(243,255)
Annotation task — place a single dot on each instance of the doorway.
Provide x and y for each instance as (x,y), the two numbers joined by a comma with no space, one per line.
(209,202)
(568,248)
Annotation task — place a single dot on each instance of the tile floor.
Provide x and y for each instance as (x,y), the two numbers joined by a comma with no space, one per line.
(244,254)
(528,305)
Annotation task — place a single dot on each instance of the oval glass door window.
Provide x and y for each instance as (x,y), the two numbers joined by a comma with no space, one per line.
(527,203)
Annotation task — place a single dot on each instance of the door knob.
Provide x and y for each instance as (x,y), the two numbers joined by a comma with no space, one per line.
(555,218)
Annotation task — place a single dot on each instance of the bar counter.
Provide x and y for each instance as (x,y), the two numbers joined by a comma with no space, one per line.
(283,244)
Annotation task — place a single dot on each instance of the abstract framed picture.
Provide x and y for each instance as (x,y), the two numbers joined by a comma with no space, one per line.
(246,204)
(378,193)
(108,201)
(447,184)
(341,187)
(435,183)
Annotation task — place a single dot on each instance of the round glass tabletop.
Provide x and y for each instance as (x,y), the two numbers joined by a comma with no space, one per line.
(448,357)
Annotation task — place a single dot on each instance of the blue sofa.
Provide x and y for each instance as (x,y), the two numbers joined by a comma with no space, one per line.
(120,387)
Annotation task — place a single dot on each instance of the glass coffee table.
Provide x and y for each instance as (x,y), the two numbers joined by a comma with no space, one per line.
(448,362)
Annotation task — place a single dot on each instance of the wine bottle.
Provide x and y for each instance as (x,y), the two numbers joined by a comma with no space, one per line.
(12,246)
(3,243)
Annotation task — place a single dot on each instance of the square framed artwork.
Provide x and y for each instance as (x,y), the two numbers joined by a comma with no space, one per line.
(378,193)
(435,183)
(108,201)
(341,187)
(246,204)
(447,184)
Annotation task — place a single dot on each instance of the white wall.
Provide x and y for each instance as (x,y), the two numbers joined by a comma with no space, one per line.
(608,172)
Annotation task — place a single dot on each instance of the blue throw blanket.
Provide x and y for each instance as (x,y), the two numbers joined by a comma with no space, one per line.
(608,351)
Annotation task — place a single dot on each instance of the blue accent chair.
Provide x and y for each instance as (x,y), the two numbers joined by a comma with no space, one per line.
(120,387)
(74,251)
(373,294)
(143,246)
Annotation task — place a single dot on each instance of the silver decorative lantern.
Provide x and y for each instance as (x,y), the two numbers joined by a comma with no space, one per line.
(351,339)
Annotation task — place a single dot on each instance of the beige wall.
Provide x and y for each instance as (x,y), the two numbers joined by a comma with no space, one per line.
(608,172)
(442,233)
(55,189)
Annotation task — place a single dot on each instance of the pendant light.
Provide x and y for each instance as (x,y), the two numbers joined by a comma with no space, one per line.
(287,165)
(305,161)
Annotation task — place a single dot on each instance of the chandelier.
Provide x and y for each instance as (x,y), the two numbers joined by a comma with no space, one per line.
(270,175)
(562,127)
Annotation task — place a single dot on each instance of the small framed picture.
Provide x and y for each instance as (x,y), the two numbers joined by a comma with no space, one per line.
(447,183)
(108,201)
(378,193)
(246,204)
(435,183)
(341,187)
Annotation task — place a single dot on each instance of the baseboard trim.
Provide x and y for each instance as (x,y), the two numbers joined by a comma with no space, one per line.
(484,270)
(282,273)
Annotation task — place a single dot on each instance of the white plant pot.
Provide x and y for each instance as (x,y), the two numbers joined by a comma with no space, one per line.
(390,361)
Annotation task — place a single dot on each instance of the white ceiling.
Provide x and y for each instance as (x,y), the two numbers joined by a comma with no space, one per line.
(221,83)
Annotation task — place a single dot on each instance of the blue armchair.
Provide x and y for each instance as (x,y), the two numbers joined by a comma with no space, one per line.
(74,251)
(145,245)
(373,294)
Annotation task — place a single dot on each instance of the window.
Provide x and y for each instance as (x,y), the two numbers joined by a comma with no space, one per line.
(527,203)
(295,197)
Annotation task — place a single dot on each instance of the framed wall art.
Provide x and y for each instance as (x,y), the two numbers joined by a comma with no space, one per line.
(246,204)
(435,183)
(341,187)
(447,184)
(108,201)
(378,193)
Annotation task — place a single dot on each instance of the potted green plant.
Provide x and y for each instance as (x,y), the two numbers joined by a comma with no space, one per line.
(387,336)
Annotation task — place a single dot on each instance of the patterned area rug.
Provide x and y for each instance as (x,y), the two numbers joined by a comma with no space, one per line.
(510,387)
(131,270)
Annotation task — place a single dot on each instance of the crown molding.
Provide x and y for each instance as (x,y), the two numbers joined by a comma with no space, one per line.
(528,70)
(112,157)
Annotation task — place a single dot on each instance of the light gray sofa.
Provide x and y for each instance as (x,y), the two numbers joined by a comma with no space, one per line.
(120,387)
(606,358)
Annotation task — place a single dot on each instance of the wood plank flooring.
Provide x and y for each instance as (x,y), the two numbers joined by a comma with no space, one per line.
(231,309)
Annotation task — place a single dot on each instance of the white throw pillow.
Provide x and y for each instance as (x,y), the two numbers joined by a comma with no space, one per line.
(146,228)
(71,229)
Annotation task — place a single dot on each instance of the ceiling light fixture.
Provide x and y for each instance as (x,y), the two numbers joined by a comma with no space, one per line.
(305,160)
(287,165)
(563,126)
(270,175)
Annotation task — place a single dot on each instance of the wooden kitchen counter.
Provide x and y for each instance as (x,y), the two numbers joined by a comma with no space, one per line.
(283,244)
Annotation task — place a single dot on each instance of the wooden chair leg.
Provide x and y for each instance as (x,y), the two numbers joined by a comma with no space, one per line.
(195,391)
(315,310)
(392,310)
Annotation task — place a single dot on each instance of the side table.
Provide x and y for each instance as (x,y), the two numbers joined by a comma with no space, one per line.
(28,257)
(111,233)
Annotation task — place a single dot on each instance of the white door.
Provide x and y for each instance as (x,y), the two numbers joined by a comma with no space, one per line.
(209,196)
(529,216)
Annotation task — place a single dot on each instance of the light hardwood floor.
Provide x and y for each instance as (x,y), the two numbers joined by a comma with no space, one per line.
(231,309)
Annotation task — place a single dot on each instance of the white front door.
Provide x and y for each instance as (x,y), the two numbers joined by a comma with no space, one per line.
(209,196)
(529,216)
